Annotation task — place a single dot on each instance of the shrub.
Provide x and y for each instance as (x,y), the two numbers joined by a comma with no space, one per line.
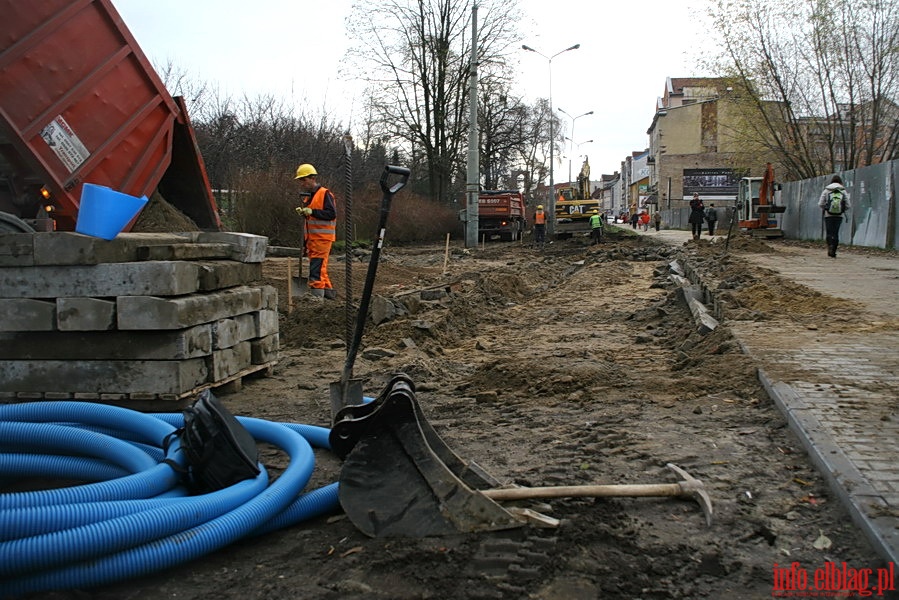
(265,206)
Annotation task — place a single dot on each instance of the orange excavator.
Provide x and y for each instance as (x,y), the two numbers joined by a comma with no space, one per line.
(757,205)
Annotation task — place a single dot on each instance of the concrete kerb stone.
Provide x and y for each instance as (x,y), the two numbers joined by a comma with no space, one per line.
(844,479)
(247,247)
(869,510)
(692,295)
(27,314)
(62,293)
(17,250)
(69,248)
(855,492)
(99,281)
(85,314)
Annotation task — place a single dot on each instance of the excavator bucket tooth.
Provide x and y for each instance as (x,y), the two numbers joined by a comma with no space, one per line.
(400,479)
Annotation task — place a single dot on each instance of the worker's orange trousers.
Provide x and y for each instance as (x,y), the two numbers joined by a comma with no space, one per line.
(318,252)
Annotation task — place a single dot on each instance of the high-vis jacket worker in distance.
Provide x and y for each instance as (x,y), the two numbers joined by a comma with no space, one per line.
(320,213)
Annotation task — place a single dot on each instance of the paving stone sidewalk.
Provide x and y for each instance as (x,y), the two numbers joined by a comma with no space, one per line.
(839,392)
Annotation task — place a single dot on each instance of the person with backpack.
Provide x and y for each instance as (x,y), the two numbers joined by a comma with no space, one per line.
(834,202)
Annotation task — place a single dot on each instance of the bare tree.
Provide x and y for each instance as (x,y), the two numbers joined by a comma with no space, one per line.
(179,82)
(415,54)
(502,123)
(533,150)
(817,81)
(251,148)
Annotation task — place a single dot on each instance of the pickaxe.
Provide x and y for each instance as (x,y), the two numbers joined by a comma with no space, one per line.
(689,486)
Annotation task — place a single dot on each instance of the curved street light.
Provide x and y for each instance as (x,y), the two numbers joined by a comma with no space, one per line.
(573,120)
(578,144)
(551,202)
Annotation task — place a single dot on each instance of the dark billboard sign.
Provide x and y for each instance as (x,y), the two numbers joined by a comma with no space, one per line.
(712,183)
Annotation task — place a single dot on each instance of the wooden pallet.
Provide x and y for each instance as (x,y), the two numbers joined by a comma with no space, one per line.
(231,384)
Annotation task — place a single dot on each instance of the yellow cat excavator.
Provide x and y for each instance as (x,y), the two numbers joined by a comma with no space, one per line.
(574,206)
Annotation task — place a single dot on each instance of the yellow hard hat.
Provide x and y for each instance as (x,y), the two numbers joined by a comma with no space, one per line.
(305,170)
(595,212)
(539,207)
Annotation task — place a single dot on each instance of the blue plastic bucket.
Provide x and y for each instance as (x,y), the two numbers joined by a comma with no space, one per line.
(104,212)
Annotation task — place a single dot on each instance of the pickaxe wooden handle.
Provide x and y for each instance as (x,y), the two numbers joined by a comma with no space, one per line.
(688,487)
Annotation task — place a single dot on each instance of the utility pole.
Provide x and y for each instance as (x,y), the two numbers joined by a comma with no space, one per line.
(473,179)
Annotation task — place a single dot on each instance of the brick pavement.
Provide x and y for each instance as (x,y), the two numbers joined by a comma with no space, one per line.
(838,391)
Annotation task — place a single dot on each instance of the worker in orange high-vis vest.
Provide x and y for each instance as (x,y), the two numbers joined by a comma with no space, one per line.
(320,212)
(539,225)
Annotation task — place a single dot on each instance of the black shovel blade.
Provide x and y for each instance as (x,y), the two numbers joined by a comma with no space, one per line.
(298,286)
(394,483)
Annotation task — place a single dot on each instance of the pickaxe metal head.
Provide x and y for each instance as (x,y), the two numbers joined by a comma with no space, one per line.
(690,486)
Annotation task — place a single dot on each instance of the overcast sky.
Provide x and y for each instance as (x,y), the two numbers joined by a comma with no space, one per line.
(292,48)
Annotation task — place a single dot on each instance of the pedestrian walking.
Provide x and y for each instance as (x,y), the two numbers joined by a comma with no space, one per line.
(697,215)
(539,226)
(319,212)
(834,203)
(657,220)
(644,220)
(634,218)
(711,217)
(596,222)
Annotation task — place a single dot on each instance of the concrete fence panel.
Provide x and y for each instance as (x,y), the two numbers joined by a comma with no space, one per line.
(871,208)
(872,220)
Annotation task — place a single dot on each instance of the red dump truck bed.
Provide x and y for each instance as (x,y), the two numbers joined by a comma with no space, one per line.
(80,103)
(500,203)
(501,215)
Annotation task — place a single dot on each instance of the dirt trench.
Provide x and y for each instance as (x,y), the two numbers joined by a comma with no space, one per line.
(569,366)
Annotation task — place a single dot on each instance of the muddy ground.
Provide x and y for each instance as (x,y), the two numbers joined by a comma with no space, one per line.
(573,365)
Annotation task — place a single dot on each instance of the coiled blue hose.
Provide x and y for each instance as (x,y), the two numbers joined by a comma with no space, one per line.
(134,517)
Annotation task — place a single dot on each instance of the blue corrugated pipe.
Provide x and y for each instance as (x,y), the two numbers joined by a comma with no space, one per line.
(135,518)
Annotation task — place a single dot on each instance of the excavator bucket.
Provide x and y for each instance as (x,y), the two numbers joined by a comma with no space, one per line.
(400,479)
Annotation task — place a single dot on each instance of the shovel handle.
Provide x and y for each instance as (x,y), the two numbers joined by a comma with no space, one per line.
(368,287)
(389,170)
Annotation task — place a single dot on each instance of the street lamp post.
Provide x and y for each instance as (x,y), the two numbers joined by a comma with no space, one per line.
(551,201)
(571,139)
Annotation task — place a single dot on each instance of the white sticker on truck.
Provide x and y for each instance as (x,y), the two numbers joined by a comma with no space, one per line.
(63,141)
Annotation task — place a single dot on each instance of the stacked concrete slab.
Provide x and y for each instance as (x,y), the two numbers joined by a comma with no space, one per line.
(141,319)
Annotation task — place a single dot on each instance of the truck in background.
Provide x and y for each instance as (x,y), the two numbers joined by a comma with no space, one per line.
(501,215)
(80,103)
